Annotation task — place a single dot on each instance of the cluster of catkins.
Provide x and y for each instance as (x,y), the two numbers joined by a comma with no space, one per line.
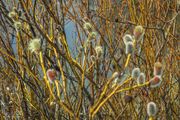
(140,76)
(92,35)
(137,74)
(154,82)
(35,46)
(129,40)
(14,14)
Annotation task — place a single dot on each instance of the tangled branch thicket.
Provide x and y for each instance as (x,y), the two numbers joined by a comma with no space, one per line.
(89,59)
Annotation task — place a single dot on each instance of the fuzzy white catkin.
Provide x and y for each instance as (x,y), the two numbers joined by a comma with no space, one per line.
(92,35)
(7,88)
(151,109)
(135,73)
(98,50)
(127,38)
(87,26)
(129,48)
(115,81)
(34,45)
(115,75)
(12,14)
(141,79)
(17,25)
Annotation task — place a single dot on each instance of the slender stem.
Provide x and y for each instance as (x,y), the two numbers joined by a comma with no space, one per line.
(127,60)
(44,72)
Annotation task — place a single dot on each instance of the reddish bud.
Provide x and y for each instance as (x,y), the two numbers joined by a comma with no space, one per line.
(128,98)
(51,74)
(155,82)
